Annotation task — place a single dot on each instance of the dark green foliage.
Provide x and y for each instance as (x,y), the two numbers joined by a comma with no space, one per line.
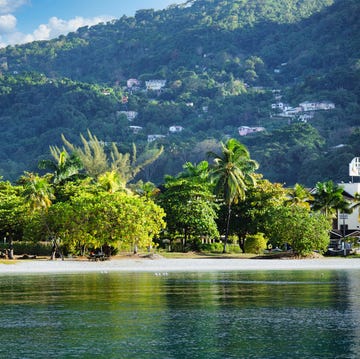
(218,58)
(29,248)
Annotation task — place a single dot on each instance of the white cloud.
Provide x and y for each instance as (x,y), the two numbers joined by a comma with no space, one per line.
(8,6)
(55,27)
(7,23)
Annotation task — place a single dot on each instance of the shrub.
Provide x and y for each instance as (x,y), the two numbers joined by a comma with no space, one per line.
(31,248)
(212,247)
(255,243)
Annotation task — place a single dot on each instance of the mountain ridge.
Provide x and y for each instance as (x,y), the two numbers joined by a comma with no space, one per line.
(212,55)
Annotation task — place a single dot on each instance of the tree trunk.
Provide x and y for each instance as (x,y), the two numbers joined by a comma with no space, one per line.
(184,240)
(227,228)
(11,250)
(242,244)
(53,250)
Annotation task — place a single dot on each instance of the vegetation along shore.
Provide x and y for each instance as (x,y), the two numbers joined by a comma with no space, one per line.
(128,136)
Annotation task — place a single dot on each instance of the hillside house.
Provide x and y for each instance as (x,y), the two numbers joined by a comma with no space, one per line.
(316,106)
(130,115)
(175,129)
(152,138)
(326,105)
(280,106)
(135,129)
(131,83)
(305,117)
(155,85)
(291,111)
(245,130)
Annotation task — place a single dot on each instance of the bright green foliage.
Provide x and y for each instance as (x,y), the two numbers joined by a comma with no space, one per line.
(255,243)
(112,182)
(304,231)
(12,211)
(37,192)
(111,219)
(299,196)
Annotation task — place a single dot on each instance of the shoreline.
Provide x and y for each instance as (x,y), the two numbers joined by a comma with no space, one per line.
(164,265)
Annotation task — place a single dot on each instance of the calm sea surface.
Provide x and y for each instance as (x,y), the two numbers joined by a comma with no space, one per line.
(284,314)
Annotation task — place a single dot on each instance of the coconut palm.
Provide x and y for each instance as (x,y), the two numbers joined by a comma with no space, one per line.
(299,196)
(38,192)
(328,199)
(233,171)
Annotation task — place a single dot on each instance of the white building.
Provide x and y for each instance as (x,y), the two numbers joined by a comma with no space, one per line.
(316,106)
(155,85)
(349,221)
(175,129)
(245,130)
(152,138)
(135,129)
(347,225)
(130,115)
(130,83)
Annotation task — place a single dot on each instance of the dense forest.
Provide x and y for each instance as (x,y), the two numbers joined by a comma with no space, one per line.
(200,71)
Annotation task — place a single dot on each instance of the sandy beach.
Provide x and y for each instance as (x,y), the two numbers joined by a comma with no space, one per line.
(163,265)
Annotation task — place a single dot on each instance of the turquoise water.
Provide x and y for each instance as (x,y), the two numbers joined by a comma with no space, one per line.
(299,314)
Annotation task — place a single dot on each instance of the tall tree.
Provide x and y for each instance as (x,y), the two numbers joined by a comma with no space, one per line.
(190,209)
(39,194)
(249,216)
(96,161)
(233,171)
(12,214)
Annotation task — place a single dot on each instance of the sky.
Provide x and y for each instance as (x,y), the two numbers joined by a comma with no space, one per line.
(23,21)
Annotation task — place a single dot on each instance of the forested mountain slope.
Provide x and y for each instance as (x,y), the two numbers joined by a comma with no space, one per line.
(221,60)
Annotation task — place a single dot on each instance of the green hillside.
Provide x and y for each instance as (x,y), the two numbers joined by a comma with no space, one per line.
(222,62)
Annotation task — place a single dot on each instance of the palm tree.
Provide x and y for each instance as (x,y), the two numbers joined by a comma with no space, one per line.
(197,172)
(39,194)
(233,171)
(299,196)
(328,199)
(37,191)
(66,167)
